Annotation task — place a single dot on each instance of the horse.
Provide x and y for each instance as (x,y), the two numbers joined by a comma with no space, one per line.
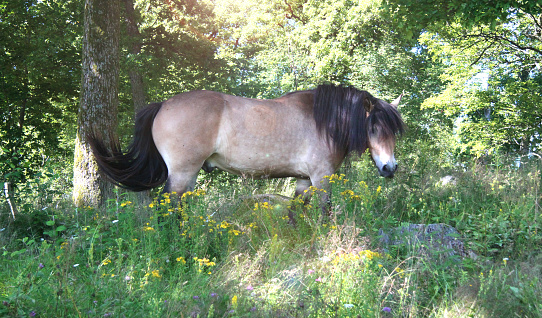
(303,134)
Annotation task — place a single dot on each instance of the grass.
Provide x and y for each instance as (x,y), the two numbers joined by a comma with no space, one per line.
(232,253)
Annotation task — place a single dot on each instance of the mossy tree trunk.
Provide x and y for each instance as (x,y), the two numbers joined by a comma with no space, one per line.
(98,106)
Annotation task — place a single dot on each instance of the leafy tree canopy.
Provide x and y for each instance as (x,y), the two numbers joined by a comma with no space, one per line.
(39,67)
(492,51)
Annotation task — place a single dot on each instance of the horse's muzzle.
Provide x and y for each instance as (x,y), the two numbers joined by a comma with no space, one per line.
(388,171)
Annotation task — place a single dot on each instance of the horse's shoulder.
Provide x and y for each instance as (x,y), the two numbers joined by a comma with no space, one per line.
(303,100)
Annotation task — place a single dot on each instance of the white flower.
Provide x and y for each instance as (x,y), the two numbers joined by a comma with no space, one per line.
(348,305)
(114,221)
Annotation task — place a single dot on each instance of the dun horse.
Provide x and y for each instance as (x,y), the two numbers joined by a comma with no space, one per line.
(305,134)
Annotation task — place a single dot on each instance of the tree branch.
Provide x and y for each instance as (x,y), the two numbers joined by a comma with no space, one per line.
(500,38)
(482,54)
(538,27)
(292,13)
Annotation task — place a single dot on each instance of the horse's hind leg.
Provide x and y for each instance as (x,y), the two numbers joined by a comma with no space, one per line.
(181,180)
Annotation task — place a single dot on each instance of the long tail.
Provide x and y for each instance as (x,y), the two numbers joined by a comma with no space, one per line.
(141,167)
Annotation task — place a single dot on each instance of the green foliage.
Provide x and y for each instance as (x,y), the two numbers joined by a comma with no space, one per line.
(495,100)
(418,15)
(472,87)
(191,46)
(490,51)
(39,75)
(343,42)
(232,248)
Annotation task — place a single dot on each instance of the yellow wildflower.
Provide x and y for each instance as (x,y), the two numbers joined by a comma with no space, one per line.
(186,194)
(370,254)
(224,225)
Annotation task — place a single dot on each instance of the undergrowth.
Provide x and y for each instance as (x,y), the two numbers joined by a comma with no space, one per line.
(229,249)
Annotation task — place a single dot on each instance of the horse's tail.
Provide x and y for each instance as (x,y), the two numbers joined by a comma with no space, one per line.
(141,167)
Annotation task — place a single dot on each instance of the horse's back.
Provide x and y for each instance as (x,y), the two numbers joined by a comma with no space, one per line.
(259,121)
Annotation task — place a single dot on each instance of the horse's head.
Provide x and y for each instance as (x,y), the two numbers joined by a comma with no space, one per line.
(384,123)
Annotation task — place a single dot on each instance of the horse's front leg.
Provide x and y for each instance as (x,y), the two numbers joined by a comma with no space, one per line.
(301,191)
(302,188)
(324,193)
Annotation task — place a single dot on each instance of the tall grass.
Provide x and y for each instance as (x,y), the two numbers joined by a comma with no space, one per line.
(229,250)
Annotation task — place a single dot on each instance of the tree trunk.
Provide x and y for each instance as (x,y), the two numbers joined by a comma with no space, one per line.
(98,106)
(138,93)
(8,193)
(136,79)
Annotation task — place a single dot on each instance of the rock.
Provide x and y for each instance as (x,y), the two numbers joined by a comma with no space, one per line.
(440,240)
(448,180)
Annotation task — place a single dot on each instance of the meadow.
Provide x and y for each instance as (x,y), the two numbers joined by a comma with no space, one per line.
(230,251)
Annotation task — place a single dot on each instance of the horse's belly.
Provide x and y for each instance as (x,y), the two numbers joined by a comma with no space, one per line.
(265,165)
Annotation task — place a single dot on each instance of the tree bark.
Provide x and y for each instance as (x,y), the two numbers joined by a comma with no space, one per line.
(136,79)
(8,193)
(98,106)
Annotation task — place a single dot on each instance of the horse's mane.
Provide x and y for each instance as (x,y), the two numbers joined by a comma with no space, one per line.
(341,117)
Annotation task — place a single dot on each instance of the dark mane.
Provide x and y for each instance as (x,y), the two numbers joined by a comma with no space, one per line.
(341,117)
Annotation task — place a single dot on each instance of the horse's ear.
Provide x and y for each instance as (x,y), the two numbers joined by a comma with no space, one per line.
(369,106)
(396,102)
